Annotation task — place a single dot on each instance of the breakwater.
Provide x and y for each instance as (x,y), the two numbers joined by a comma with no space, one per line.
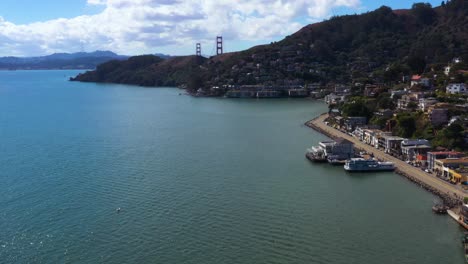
(450,195)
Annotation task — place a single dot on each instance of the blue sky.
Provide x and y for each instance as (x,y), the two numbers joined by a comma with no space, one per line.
(39,27)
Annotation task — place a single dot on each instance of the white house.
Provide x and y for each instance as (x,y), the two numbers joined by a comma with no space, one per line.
(447,70)
(456,88)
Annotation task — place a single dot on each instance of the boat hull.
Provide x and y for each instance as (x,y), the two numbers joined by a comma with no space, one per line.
(313,158)
(369,170)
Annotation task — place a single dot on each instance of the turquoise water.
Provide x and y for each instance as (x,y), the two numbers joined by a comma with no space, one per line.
(198,180)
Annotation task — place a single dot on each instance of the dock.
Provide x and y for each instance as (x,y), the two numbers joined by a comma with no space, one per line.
(451,195)
(457,218)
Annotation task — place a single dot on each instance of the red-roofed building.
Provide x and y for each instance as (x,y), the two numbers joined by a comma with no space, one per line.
(418,79)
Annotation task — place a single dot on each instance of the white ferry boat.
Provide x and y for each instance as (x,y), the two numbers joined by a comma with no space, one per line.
(363,165)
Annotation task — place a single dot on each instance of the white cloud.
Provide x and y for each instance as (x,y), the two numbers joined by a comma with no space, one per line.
(148,26)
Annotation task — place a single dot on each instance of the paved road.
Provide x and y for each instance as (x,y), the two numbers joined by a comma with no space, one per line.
(417,173)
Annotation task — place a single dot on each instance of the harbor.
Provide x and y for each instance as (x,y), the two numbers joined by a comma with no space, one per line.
(449,193)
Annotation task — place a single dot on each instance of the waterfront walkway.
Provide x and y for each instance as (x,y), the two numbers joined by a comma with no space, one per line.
(441,186)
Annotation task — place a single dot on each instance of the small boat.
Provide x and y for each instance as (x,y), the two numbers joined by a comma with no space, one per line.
(440,209)
(316,154)
(334,161)
(465,245)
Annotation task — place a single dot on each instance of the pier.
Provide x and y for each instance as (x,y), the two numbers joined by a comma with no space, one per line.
(451,195)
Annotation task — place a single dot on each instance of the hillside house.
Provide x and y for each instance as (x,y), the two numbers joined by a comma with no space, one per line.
(456,88)
(415,80)
(425,103)
(384,113)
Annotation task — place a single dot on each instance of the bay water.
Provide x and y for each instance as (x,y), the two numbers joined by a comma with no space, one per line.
(197,180)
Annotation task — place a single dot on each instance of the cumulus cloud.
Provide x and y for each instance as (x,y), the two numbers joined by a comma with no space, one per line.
(174,26)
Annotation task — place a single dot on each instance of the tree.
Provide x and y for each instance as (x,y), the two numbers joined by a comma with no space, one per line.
(412,106)
(417,63)
(194,83)
(356,106)
(384,101)
(406,125)
(451,137)
(424,13)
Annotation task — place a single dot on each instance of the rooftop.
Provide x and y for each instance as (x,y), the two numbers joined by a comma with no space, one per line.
(454,160)
(343,141)
(446,153)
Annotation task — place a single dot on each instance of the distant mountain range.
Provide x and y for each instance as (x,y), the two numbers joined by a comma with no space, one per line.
(378,46)
(78,60)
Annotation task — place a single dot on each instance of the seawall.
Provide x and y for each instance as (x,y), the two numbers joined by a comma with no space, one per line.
(449,194)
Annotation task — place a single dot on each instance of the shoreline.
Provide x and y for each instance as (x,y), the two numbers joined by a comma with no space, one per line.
(450,195)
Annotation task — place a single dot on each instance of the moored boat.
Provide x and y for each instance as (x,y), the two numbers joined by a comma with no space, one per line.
(440,209)
(365,165)
(465,245)
(316,154)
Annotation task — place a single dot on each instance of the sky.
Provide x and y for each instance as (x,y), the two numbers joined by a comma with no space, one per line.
(133,27)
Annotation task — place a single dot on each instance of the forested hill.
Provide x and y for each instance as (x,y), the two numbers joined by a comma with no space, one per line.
(381,45)
(79,60)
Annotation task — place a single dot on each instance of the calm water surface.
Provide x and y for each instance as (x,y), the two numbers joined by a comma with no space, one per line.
(199,180)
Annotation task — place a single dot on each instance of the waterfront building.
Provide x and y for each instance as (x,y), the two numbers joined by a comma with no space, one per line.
(417,153)
(433,156)
(442,167)
(342,149)
(391,145)
(415,150)
(334,98)
(268,94)
(371,136)
(458,176)
(355,121)
(359,133)
(415,142)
